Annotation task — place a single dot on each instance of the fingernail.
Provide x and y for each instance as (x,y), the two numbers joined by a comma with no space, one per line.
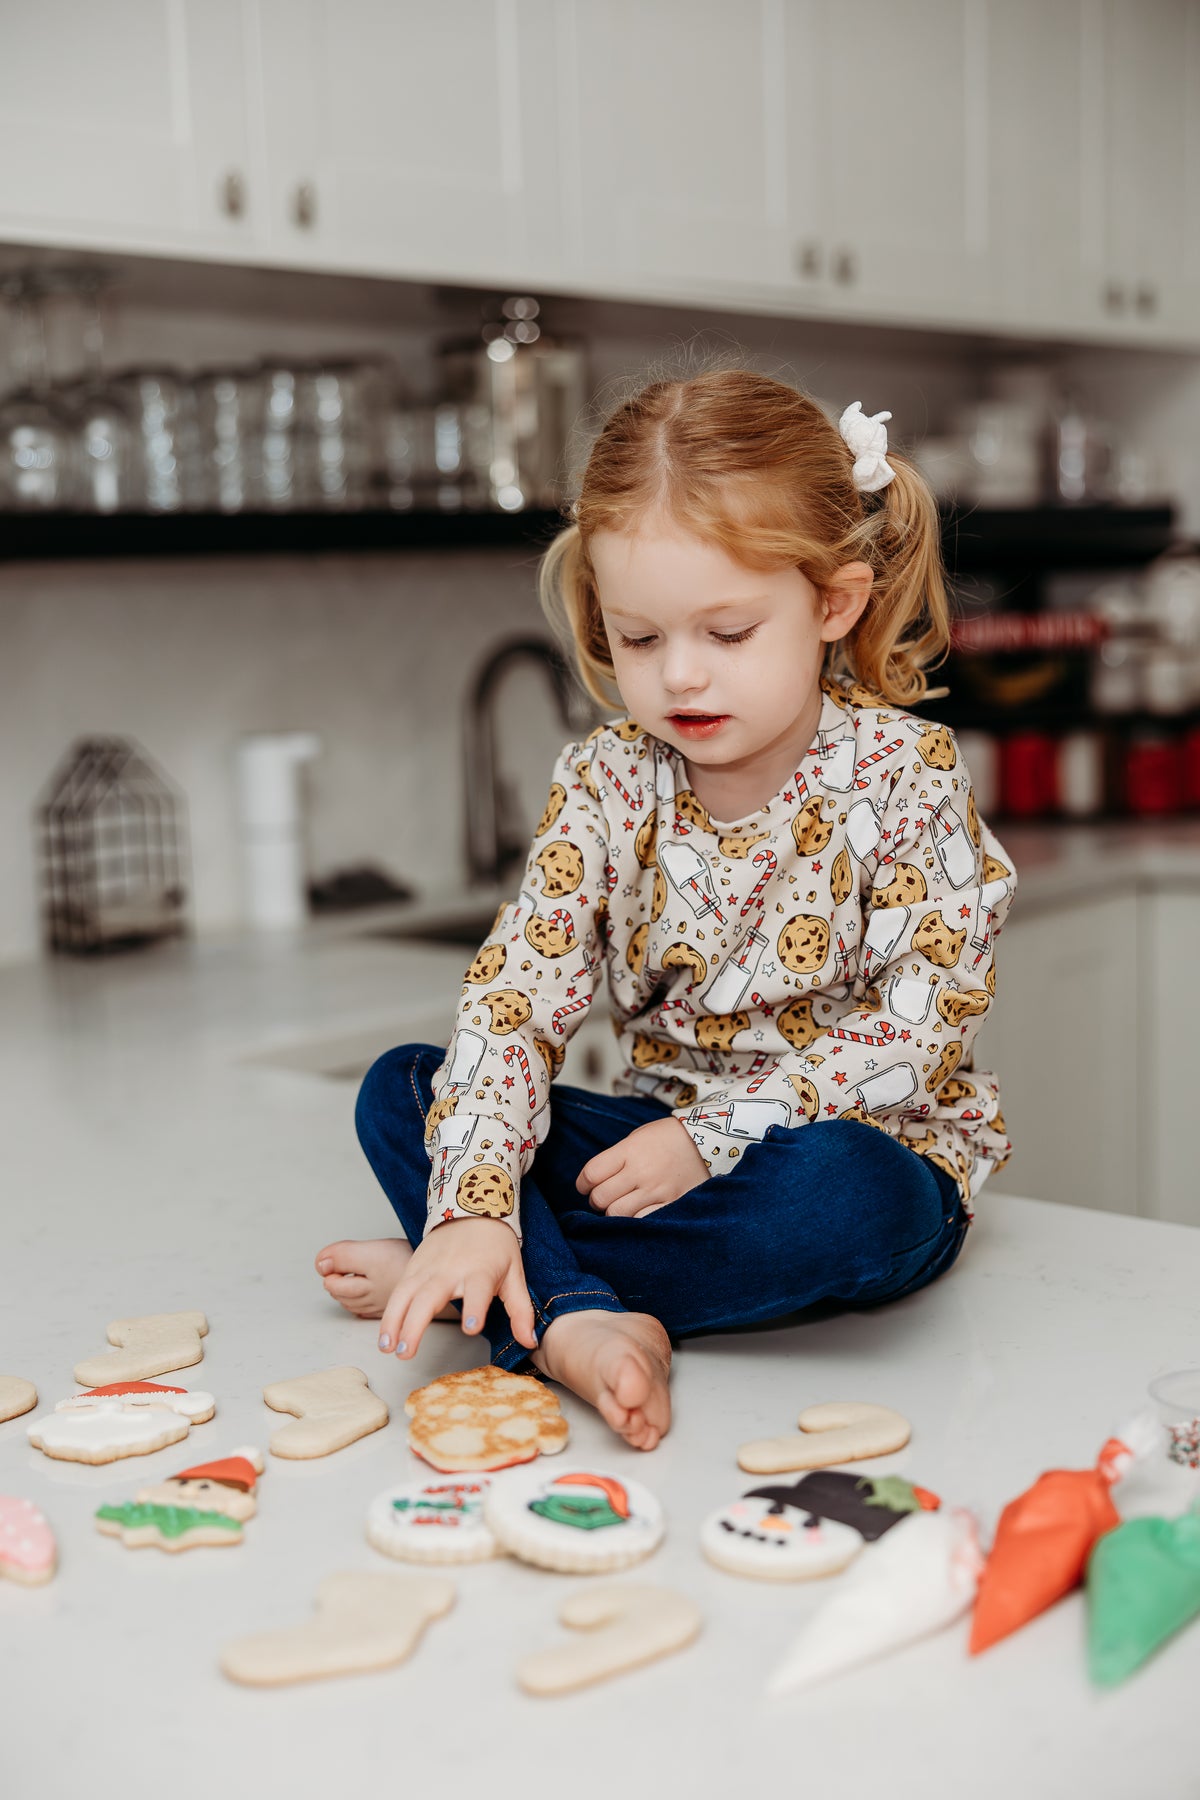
(385,1343)
(471,1322)
(401,1347)
(325,1264)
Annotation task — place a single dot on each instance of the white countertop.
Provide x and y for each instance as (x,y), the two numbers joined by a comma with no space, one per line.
(149,1166)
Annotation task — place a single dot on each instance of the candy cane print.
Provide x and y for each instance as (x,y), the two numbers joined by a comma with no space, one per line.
(564,1012)
(610,878)
(874,757)
(842,959)
(769,862)
(516,1054)
(758,1081)
(897,844)
(681,1006)
(884,1034)
(627,797)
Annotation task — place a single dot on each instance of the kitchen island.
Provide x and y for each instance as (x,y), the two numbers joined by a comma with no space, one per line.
(170,1143)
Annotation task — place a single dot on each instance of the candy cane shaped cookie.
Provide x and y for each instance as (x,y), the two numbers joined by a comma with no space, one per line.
(635,799)
(837,1432)
(622,1626)
(876,756)
(768,862)
(884,1032)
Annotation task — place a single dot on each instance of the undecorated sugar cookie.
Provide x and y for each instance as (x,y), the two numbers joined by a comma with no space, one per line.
(362,1622)
(127,1418)
(16,1397)
(333,1408)
(484,1418)
(28,1553)
(839,1431)
(814,1527)
(433,1521)
(206,1504)
(152,1345)
(622,1625)
(581,1523)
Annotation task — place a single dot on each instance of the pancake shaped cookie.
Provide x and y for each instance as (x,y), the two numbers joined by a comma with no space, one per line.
(362,1622)
(126,1418)
(838,1431)
(206,1504)
(16,1397)
(814,1527)
(621,1625)
(581,1523)
(483,1418)
(28,1552)
(433,1521)
(153,1345)
(333,1408)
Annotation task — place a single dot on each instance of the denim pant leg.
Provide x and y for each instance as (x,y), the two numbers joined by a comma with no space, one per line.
(394,1098)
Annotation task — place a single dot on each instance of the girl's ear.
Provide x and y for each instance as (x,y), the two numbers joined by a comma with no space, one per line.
(843,599)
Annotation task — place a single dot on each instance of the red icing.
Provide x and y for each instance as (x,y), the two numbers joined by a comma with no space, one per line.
(133,1387)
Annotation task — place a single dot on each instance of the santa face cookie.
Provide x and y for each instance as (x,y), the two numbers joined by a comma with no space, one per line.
(433,1521)
(28,1553)
(813,1527)
(128,1418)
(581,1523)
(207,1504)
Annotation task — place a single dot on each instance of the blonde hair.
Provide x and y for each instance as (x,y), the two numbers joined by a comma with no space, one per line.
(753,466)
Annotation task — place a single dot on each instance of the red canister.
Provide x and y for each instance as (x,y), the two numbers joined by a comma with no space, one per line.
(1154,774)
(1028,775)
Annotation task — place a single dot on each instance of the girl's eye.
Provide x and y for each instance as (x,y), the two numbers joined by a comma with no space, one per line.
(735,637)
(642,643)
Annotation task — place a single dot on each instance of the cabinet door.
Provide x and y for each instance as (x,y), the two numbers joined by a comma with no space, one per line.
(1063,1038)
(676,162)
(120,123)
(1169,1060)
(410,139)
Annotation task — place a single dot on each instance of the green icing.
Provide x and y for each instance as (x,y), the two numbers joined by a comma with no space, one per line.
(891,1491)
(171,1521)
(585,1511)
(1143,1585)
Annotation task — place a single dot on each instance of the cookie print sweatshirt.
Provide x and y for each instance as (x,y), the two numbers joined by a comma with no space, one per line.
(828,957)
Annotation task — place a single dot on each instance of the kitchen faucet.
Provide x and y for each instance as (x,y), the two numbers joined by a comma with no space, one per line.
(496,836)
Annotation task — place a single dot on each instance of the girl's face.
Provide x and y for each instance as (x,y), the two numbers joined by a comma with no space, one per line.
(719,660)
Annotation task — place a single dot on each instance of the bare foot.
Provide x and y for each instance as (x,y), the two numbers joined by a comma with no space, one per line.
(361,1273)
(620,1363)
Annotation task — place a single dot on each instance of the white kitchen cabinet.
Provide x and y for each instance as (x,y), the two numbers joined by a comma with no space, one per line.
(1170,1063)
(125,126)
(408,139)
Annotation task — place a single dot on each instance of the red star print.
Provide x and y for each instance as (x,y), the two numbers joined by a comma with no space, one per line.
(879,737)
(904,1036)
(840,1077)
(515,938)
(831,1109)
(583,899)
(449,1213)
(508,1144)
(577,787)
(629,824)
(964,912)
(510,1081)
(565,830)
(789,795)
(816,868)
(885,834)
(837,1050)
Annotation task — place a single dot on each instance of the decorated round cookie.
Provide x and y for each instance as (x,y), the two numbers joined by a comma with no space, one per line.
(28,1553)
(127,1418)
(811,1527)
(582,1523)
(433,1521)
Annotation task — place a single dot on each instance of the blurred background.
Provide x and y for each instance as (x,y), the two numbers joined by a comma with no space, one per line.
(307,312)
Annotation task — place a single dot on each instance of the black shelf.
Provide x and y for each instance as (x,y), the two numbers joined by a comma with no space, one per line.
(980,540)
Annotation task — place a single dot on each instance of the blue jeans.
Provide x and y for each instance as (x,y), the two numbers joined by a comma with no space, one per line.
(832,1215)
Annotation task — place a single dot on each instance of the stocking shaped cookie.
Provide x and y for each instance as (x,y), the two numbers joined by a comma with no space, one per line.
(152,1345)
(839,1431)
(362,1622)
(620,1626)
(332,1407)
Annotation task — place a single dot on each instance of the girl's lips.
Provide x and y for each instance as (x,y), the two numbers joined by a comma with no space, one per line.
(703,725)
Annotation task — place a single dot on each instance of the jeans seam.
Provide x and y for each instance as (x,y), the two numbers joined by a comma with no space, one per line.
(412,1082)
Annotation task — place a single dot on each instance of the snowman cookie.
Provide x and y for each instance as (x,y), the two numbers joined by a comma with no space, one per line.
(28,1553)
(582,1523)
(206,1504)
(433,1521)
(127,1418)
(812,1527)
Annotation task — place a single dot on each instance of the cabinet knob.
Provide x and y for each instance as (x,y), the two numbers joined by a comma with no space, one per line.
(808,260)
(845,266)
(304,206)
(1146,299)
(232,194)
(1114,297)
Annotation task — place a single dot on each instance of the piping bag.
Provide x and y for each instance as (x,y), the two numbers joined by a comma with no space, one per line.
(1143,1585)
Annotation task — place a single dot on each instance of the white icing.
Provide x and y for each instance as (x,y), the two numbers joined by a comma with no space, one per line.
(188,1405)
(526,1533)
(106,1427)
(407,1519)
(750,1539)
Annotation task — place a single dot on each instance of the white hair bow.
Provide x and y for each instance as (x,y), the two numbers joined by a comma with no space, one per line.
(868,440)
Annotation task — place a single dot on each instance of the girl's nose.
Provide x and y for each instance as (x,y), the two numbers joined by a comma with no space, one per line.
(683,671)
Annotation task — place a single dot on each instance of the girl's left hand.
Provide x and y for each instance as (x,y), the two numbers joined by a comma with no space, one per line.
(651,1167)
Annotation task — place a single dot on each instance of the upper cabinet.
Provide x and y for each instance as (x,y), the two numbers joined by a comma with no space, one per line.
(1021,165)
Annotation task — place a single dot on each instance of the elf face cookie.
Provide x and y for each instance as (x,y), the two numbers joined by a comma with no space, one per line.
(433,1521)
(804,943)
(487,965)
(206,1504)
(510,1009)
(813,1527)
(562,870)
(131,1418)
(484,1418)
(487,1190)
(581,1523)
(28,1552)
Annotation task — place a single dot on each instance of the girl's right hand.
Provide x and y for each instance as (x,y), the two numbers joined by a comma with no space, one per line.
(472,1260)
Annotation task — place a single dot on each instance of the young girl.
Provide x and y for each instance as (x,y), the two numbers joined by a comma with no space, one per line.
(783,875)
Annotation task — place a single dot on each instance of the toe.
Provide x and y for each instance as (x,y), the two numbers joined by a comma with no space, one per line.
(341,1258)
(346,1287)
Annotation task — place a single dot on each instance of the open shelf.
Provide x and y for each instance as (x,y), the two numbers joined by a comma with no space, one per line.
(976,540)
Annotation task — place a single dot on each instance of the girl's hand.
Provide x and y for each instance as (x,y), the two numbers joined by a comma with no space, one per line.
(651,1167)
(471,1260)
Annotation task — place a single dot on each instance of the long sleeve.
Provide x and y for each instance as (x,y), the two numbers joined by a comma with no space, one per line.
(527,990)
(891,1037)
